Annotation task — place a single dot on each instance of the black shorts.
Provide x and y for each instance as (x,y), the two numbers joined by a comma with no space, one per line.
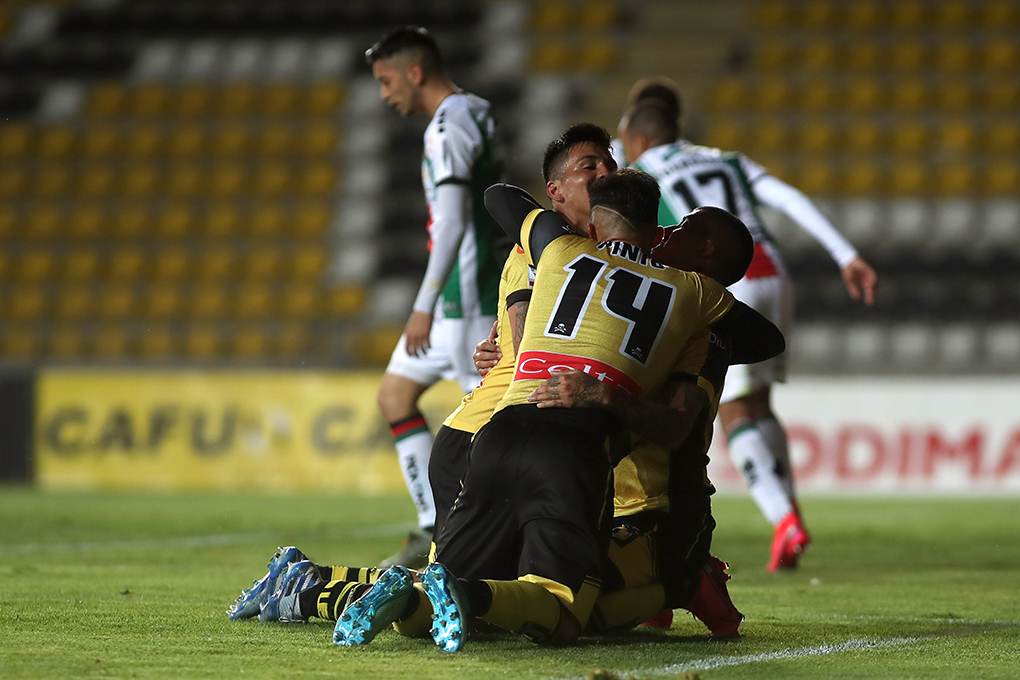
(447,464)
(534,498)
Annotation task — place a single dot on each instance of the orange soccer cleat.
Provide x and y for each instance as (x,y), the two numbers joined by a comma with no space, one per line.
(712,604)
(788,543)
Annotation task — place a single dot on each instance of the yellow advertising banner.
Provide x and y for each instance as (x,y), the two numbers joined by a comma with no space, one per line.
(219,430)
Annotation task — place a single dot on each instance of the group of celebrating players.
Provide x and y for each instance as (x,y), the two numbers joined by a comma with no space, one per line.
(568,493)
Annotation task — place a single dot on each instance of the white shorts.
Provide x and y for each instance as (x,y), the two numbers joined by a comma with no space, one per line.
(449,356)
(772,297)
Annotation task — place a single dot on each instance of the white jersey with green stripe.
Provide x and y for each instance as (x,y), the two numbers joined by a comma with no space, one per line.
(458,149)
(690,176)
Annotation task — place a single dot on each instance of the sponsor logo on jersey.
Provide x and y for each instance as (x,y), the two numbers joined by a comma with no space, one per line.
(539,365)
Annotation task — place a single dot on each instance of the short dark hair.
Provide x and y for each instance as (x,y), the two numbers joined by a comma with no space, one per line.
(728,228)
(654,120)
(658,89)
(630,192)
(408,39)
(554,161)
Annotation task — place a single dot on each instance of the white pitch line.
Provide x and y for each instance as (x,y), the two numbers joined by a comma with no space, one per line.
(192,541)
(857,644)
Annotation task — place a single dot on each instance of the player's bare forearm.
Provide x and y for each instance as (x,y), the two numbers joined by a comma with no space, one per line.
(416,333)
(518,314)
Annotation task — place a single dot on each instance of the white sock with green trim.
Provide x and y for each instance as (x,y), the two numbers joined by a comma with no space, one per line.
(751,455)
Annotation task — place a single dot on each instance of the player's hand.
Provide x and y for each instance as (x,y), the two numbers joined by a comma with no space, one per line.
(571,389)
(861,280)
(487,352)
(416,333)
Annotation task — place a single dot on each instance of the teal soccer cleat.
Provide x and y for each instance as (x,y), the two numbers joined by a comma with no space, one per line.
(374,611)
(250,602)
(284,606)
(449,607)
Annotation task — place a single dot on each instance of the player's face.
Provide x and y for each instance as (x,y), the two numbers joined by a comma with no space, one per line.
(680,246)
(586,162)
(395,87)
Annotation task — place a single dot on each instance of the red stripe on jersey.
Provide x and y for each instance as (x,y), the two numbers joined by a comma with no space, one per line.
(538,365)
(761,264)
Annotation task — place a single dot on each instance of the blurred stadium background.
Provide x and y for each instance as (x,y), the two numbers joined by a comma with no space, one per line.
(189,185)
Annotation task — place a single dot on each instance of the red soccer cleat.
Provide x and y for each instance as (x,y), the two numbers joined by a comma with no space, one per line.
(663,620)
(712,604)
(788,543)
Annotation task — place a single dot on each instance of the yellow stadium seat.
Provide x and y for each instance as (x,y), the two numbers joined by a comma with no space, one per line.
(12,182)
(819,55)
(861,177)
(141,179)
(312,219)
(551,56)
(172,264)
(209,302)
(131,220)
(908,55)
(271,179)
(551,16)
(107,99)
(36,264)
(186,180)
(597,55)
(222,220)
(773,13)
(56,141)
(725,134)
(175,221)
(864,94)
(292,341)
(1000,54)
(957,95)
(910,137)
(150,99)
(127,263)
(956,135)
(67,342)
(955,179)
(1003,136)
(51,181)
(817,177)
(44,221)
(995,14)
(28,303)
(87,221)
(368,346)
(144,140)
(21,342)
(345,301)
(163,302)
(187,140)
(1002,178)
(317,179)
(238,99)
(158,343)
(251,342)
(263,263)
(599,15)
(818,95)
(727,94)
(15,139)
(865,55)
(1002,94)
(324,98)
(954,56)
(255,300)
(816,14)
(864,14)
(280,99)
(112,342)
(300,299)
(203,342)
(909,177)
(308,261)
(908,13)
(770,135)
(81,264)
(267,219)
(75,302)
(231,139)
(193,99)
(97,180)
(774,53)
(216,263)
(118,301)
(772,94)
(953,14)
(100,140)
(228,180)
(10,224)
(909,95)
(816,136)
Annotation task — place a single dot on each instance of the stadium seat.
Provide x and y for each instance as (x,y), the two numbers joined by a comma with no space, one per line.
(187,140)
(203,342)
(773,54)
(107,99)
(907,14)
(97,180)
(954,56)
(312,220)
(280,99)
(163,301)
(100,140)
(725,134)
(551,56)
(112,342)
(193,99)
(955,179)
(821,54)
(127,263)
(597,56)
(131,220)
(251,342)
(255,299)
(954,95)
(817,178)
(81,264)
(75,302)
(150,99)
(819,14)
(323,98)
(272,179)
(1002,94)
(864,95)
(36,264)
(551,16)
(221,220)
(267,220)
(231,139)
(300,299)
(318,138)
(87,221)
(141,180)
(22,342)
(819,95)
(994,14)
(864,14)
(263,263)
(172,264)
(1000,55)
(237,99)
(117,301)
(52,180)
(28,302)
(772,14)
(817,135)
(956,135)
(345,301)
(174,221)
(1002,178)
(275,139)
(1002,136)
(308,261)
(56,141)
(598,15)
(768,136)
(292,341)
(374,346)
(209,301)
(909,177)
(67,342)
(910,136)
(158,342)
(216,263)
(10,224)
(910,55)
(228,180)
(12,182)
(144,140)
(15,139)
(909,95)
(44,221)
(727,94)
(772,94)
(185,180)
(953,14)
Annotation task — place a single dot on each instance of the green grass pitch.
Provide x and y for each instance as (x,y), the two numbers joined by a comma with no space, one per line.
(134,585)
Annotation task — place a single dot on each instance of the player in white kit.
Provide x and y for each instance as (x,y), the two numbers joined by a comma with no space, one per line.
(690,176)
(456,303)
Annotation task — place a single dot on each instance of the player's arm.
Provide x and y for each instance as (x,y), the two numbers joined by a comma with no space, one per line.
(666,424)
(861,280)
(524,220)
(517,311)
(753,338)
